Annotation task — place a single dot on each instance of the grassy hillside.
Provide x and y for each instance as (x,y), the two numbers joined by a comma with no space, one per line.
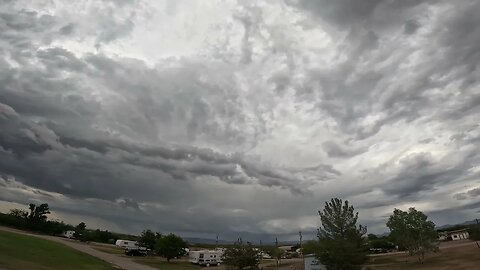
(19,252)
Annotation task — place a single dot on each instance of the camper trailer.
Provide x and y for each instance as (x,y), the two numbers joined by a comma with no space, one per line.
(69,234)
(126,244)
(206,257)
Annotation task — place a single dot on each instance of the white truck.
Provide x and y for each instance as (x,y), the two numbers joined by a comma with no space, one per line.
(206,257)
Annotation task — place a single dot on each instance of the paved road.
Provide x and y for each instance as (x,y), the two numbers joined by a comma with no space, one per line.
(120,262)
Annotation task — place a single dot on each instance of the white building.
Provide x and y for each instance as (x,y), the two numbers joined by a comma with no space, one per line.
(459,234)
(453,235)
(312,263)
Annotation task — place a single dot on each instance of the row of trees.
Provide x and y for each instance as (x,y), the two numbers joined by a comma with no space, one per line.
(36,219)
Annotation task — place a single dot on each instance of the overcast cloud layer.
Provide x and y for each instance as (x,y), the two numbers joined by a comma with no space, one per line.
(239,117)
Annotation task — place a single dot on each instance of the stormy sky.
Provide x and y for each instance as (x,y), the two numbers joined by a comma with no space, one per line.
(239,118)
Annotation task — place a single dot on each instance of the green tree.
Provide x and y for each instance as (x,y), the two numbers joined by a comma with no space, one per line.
(18,213)
(341,245)
(310,247)
(147,239)
(381,243)
(80,231)
(170,246)
(241,256)
(412,230)
(39,213)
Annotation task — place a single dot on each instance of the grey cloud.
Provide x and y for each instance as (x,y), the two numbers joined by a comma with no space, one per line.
(119,30)
(126,202)
(60,110)
(67,29)
(377,15)
(334,150)
(428,140)
(366,23)
(420,173)
(472,193)
(188,134)
(411,27)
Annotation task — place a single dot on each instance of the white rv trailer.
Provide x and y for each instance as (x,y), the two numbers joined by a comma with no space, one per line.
(68,234)
(206,257)
(126,243)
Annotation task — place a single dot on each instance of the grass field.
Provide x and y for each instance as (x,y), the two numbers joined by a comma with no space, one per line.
(454,258)
(20,252)
(107,249)
(161,263)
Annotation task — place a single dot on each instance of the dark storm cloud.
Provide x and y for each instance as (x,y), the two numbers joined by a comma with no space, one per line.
(351,13)
(420,173)
(366,23)
(62,115)
(84,125)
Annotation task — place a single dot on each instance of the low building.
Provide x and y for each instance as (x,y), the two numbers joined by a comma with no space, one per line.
(453,235)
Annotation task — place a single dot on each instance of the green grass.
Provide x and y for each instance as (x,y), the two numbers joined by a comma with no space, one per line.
(19,252)
(162,264)
(111,250)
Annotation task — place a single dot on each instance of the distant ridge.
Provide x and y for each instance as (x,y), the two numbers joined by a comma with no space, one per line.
(194,240)
(466,223)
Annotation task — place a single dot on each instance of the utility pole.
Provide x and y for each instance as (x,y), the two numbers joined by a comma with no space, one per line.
(476,240)
(301,250)
(216,242)
(277,252)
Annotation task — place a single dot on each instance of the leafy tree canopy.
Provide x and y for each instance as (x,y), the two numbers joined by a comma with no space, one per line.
(148,239)
(412,230)
(170,246)
(241,256)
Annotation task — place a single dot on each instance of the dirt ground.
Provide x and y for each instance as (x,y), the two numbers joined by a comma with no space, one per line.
(461,255)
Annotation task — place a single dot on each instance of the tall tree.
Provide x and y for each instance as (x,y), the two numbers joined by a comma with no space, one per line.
(38,213)
(80,231)
(147,239)
(414,231)
(170,246)
(241,256)
(341,245)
